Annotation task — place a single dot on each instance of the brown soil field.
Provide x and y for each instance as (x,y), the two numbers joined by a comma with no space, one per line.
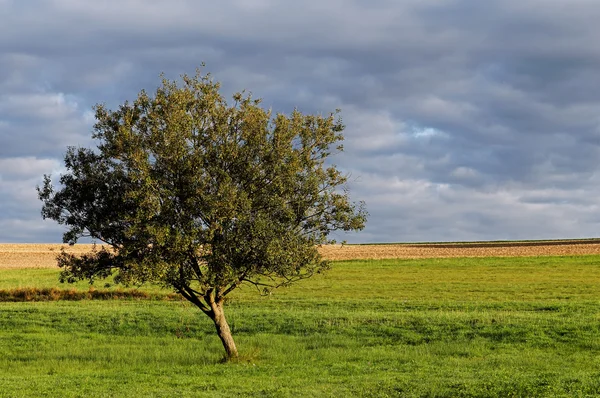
(43,255)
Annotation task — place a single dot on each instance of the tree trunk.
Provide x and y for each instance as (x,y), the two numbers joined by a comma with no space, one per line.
(218,316)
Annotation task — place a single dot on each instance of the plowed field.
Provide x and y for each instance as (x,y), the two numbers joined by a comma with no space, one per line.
(43,255)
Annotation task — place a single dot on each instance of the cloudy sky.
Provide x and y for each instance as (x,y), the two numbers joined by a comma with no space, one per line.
(466,119)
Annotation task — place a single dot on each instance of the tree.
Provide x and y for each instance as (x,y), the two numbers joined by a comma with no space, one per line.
(201,196)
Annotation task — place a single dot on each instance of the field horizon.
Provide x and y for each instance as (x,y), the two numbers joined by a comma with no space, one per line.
(43,255)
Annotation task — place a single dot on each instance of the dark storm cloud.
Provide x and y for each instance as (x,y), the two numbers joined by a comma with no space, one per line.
(465,119)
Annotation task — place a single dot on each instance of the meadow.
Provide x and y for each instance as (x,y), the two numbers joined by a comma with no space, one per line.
(441,327)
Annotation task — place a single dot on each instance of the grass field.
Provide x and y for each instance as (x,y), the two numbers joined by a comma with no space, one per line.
(453,327)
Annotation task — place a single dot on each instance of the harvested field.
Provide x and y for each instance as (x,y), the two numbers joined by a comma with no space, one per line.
(35,255)
(43,255)
(466,249)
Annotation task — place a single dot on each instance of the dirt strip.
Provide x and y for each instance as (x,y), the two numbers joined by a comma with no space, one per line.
(44,255)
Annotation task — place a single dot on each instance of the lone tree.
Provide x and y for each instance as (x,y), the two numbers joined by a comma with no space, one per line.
(202,196)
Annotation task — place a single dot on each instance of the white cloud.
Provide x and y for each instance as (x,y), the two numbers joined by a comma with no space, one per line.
(464,172)
(46,106)
(23,168)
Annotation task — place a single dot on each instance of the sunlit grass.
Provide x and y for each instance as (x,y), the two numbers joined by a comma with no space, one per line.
(488,279)
(444,328)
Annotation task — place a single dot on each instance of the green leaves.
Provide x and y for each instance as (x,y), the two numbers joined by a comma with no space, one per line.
(201,195)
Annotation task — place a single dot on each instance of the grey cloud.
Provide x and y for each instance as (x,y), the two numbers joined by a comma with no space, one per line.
(421,210)
(20,218)
(466,119)
(40,123)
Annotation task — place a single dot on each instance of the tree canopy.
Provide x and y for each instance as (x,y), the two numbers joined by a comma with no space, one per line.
(202,196)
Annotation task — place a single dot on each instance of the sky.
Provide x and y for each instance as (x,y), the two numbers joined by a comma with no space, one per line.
(465,119)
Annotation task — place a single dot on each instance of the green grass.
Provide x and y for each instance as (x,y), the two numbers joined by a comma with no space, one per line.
(45,278)
(491,327)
